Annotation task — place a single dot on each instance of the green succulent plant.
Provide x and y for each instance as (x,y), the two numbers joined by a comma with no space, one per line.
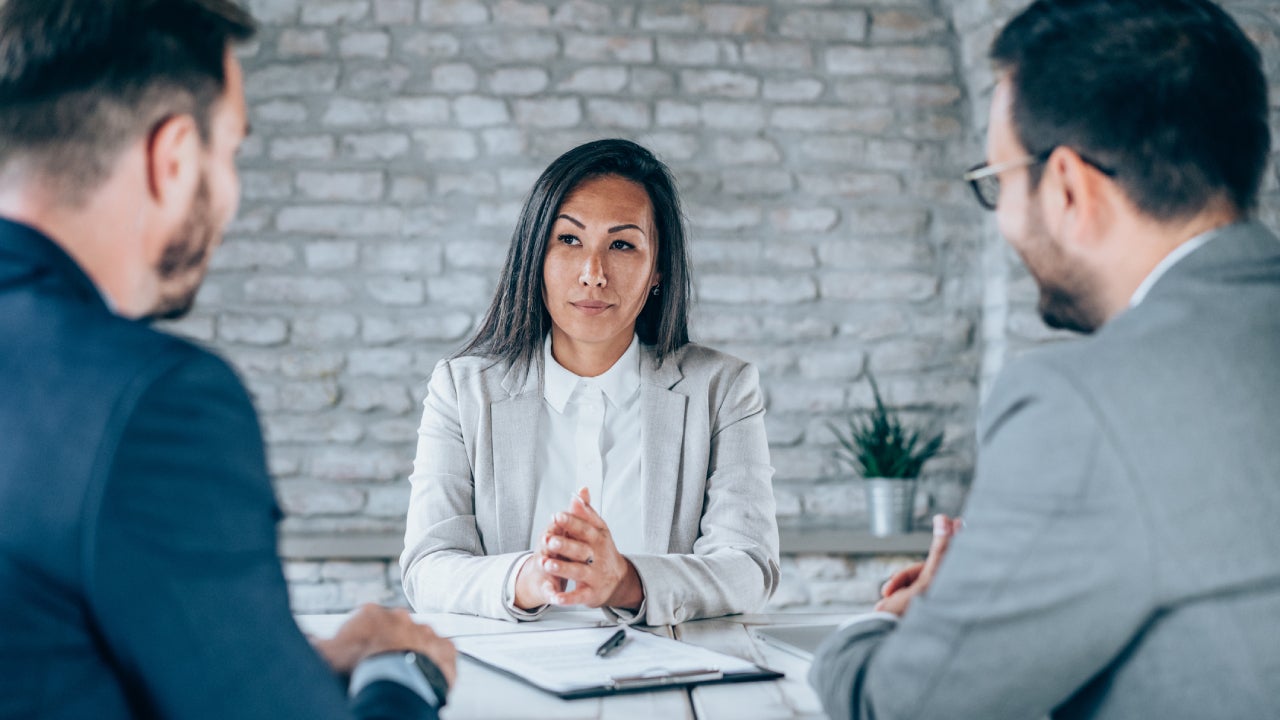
(876,444)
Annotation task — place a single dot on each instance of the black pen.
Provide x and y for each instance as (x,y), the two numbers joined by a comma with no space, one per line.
(612,644)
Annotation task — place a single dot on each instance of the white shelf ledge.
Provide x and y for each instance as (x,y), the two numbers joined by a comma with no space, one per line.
(846,537)
(343,546)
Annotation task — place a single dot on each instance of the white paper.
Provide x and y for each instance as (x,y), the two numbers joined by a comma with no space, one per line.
(566,660)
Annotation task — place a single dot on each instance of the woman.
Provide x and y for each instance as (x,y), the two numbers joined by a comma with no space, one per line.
(579,450)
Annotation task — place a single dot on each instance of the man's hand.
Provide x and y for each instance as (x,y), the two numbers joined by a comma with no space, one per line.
(375,629)
(579,547)
(913,580)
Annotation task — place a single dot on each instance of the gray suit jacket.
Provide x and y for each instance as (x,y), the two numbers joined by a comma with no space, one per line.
(1120,557)
(711,536)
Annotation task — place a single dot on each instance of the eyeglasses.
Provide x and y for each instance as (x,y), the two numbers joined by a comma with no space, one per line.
(985,179)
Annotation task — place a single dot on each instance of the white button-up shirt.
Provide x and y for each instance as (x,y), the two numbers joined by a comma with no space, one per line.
(589,436)
(1169,261)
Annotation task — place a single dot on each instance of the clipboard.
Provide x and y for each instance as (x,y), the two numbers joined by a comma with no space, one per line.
(563,662)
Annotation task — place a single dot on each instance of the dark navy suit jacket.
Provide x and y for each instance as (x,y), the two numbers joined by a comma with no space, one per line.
(138,567)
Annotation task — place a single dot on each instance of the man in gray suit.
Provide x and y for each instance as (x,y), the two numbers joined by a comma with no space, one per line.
(1118,558)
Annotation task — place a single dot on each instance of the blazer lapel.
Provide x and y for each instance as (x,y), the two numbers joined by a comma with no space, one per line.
(515,437)
(662,441)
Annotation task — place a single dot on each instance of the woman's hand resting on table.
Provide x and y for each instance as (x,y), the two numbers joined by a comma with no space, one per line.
(578,546)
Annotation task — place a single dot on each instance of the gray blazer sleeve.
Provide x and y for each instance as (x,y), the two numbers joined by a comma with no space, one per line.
(444,562)
(1045,586)
(734,564)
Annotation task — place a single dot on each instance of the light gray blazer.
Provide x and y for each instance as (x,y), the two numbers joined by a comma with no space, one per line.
(1120,557)
(711,535)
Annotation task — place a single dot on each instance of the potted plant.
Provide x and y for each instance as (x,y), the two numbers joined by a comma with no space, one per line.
(888,455)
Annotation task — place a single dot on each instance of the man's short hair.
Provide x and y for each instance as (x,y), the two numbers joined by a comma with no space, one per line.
(80,79)
(1169,94)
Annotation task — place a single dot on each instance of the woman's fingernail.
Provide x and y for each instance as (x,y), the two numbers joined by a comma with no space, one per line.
(939,524)
(554,543)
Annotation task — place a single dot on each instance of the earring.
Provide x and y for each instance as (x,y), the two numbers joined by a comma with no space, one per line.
(657,290)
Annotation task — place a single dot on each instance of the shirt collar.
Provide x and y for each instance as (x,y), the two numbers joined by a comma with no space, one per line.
(29,247)
(619,383)
(1169,261)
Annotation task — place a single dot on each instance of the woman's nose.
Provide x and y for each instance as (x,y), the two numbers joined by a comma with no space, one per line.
(592,272)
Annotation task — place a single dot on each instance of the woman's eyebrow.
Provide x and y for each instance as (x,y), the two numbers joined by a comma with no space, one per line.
(614,229)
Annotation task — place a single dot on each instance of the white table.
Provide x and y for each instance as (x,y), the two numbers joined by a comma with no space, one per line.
(481,693)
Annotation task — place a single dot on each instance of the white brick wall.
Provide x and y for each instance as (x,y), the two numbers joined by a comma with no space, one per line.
(818,146)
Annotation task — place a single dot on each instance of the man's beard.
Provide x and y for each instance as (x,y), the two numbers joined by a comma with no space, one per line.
(1068,300)
(185,259)
(1063,311)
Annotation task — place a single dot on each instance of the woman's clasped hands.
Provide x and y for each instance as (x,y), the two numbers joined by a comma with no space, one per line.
(578,546)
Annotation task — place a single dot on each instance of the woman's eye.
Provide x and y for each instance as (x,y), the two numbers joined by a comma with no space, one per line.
(569,239)
(621,245)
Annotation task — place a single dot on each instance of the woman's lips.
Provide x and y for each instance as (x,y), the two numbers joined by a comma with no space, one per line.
(591,307)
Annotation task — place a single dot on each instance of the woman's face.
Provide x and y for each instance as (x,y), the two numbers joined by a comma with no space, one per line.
(600,266)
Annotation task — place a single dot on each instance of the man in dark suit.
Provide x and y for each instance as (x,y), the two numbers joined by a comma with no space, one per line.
(1117,558)
(138,567)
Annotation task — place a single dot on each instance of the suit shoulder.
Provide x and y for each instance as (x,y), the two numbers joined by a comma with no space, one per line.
(101,351)
(156,353)
(1063,374)
(699,360)
(1127,347)
(468,366)
(469,375)
(1040,368)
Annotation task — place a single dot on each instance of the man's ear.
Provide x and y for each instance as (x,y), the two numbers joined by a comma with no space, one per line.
(1075,199)
(173,164)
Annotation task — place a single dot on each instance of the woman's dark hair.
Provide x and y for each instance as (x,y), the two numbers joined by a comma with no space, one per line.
(517,321)
(1169,94)
(80,79)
